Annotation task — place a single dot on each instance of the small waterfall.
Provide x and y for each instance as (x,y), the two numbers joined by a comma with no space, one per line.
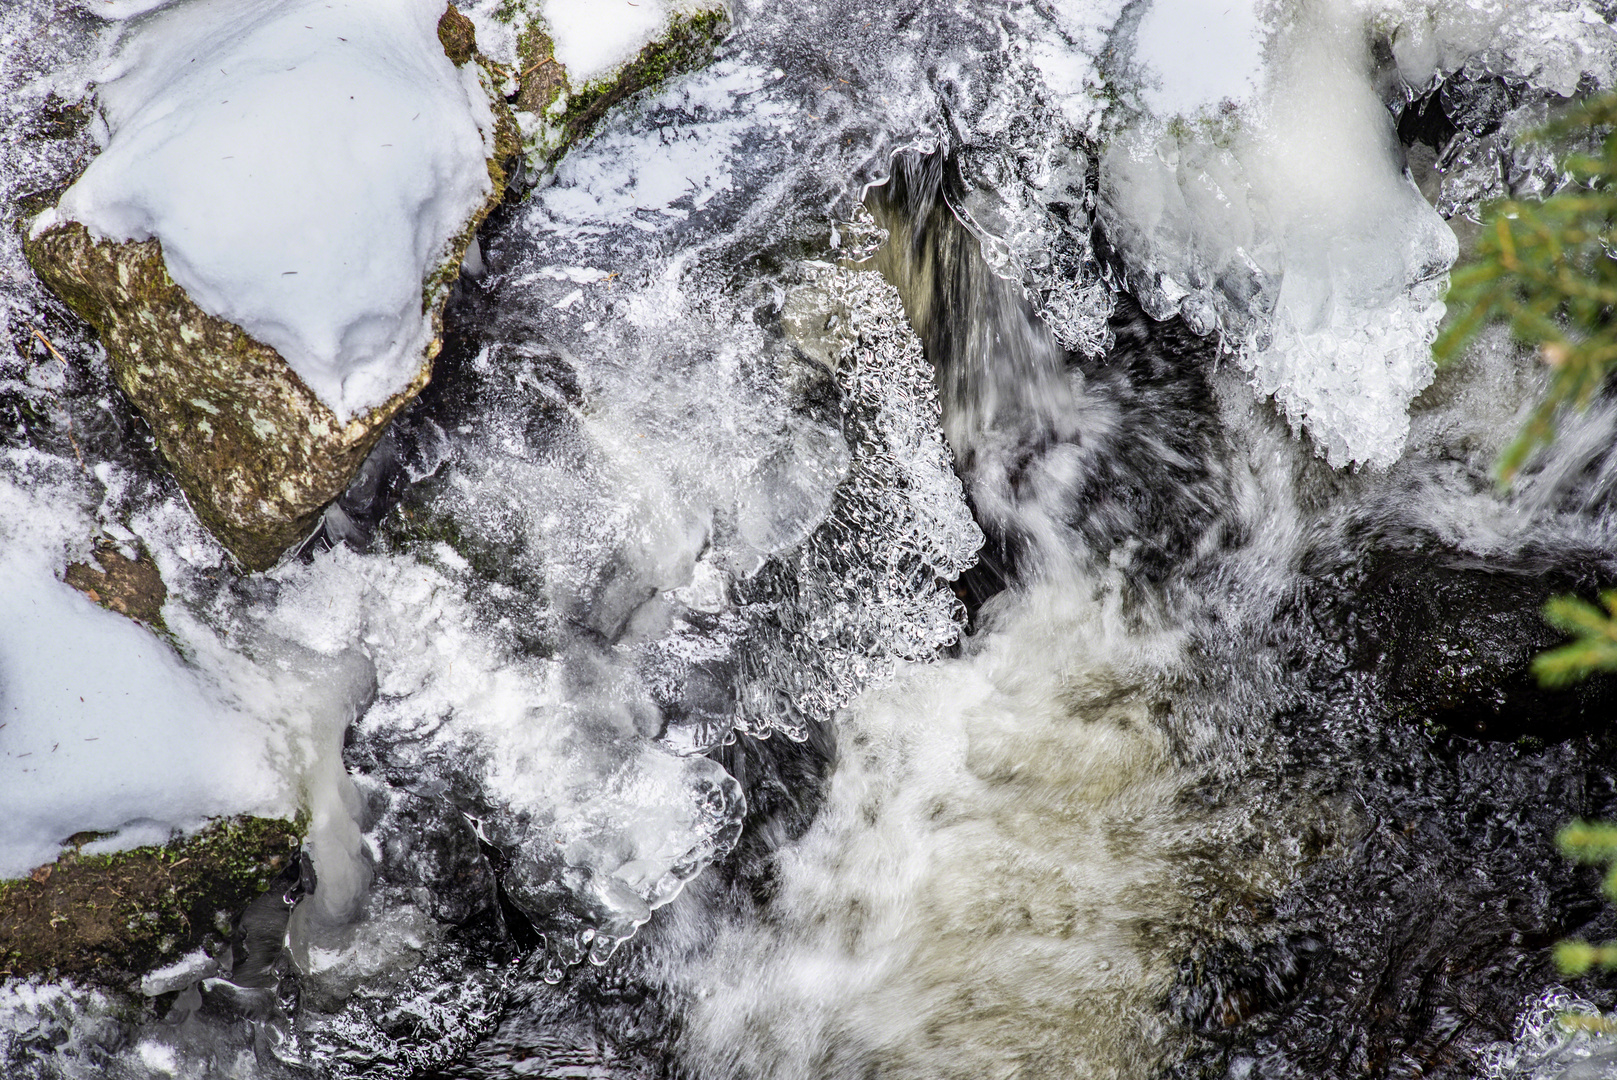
(884,593)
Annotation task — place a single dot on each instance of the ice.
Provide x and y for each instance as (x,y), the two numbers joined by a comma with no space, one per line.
(572,798)
(305,165)
(1545,1049)
(1552,44)
(677,478)
(637,176)
(1284,219)
(80,1025)
(1291,227)
(869,589)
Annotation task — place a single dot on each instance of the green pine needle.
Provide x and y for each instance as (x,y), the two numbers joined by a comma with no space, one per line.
(1593,647)
(1546,269)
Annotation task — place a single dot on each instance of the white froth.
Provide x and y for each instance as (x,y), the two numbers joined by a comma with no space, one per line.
(305,165)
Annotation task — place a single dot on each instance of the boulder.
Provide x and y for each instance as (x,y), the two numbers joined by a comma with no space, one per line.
(108,918)
(257,452)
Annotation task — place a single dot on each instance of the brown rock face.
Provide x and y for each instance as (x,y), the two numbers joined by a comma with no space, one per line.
(131,587)
(257,453)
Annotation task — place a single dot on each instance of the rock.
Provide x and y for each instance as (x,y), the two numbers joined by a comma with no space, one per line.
(131,587)
(1450,645)
(458,36)
(557,110)
(258,454)
(107,918)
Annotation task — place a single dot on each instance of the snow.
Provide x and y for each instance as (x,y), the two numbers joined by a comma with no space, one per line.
(595,37)
(304,164)
(102,726)
(1199,53)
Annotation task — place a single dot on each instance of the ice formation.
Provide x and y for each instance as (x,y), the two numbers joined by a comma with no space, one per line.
(1195,55)
(305,165)
(1287,223)
(1284,219)
(685,478)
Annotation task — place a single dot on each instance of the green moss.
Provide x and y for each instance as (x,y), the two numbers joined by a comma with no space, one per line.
(457,36)
(513,11)
(109,918)
(688,45)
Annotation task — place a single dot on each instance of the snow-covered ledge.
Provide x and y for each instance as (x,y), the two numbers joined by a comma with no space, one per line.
(267,239)
(568,61)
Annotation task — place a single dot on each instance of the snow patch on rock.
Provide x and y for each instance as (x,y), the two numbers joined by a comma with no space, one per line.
(596,37)
(103,727)
(305,164)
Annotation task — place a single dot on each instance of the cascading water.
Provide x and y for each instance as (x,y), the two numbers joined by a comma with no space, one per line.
(842,610)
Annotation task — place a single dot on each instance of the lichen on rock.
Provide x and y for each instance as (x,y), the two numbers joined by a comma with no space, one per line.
(258,453)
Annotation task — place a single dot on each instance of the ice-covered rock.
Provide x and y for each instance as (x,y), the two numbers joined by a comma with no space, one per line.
(1281,216)
(1265,196)
(267,240)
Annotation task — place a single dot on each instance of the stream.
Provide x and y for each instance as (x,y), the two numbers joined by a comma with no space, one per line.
(933,549)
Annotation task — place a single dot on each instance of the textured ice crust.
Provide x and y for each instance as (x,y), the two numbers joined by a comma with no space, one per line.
(305,165)
(869,589)
(1284,219)
(1542,1048)
(1288,224)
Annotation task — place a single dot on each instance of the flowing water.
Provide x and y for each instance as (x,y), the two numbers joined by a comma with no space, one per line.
(910,565)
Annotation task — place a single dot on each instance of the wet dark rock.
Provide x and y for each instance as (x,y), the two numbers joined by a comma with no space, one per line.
(109,918)
(1437,906)
(1451,646)
(1227,985)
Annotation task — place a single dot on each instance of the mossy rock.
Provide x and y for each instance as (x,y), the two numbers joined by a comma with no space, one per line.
(256,452)
(563,114)
(109,918)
